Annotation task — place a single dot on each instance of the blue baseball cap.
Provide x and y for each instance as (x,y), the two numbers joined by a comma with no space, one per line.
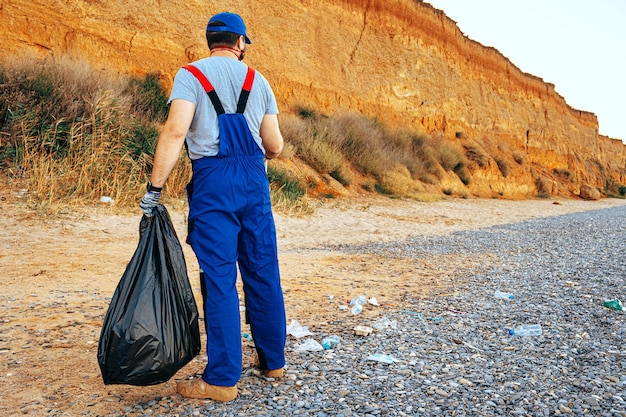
(228,22)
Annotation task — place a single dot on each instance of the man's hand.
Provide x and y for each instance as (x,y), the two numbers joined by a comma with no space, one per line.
(149,202)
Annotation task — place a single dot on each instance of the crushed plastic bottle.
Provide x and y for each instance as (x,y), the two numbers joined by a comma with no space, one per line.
(380,357)
(330,342)
(383,322)
(356,309)
(309,345)
(358,303)
(526,330)
(248,337)
(503,295)
(613,304)
(360,300)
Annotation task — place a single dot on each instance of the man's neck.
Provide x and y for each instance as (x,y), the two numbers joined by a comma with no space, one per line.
(225,52)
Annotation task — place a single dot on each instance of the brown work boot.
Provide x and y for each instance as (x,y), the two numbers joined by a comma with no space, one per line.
(197,388)
(274,373)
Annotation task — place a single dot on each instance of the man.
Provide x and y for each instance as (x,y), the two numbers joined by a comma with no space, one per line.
(230,215)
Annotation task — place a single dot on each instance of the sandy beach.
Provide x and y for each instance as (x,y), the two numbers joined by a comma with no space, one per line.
(58,273)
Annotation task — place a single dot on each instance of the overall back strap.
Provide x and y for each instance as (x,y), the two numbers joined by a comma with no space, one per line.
(208,87)
(245,91)
(210,90)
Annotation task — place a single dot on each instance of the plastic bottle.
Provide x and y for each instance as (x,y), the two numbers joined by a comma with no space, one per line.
(503,295)
(383,322)
(526,330)
(248,337)
(358,303)
(330,342)
(356,309)
(615,304)
(360,300)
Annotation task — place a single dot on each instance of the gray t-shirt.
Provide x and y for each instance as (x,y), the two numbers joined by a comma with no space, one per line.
(227,76)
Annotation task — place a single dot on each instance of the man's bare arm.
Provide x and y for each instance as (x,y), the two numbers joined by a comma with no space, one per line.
(271,137)
(171,140)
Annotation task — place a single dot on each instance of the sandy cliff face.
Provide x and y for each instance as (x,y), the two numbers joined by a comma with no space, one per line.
(399,60)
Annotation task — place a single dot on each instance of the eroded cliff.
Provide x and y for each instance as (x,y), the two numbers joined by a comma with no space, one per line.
(401,61)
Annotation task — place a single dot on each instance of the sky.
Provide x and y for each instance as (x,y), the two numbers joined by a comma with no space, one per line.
(577,45)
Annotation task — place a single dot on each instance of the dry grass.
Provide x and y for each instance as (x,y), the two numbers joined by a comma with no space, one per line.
(476,153)
(398,181)
(330,143)
(77,134)
(452,158)
(288,194)
(503,165)
(311,144)
(361,140)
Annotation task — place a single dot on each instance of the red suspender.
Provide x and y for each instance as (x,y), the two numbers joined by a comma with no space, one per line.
(206,84)
(247,84)
(245,91)
(208,87)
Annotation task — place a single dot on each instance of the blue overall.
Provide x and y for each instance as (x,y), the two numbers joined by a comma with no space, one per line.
(230,223)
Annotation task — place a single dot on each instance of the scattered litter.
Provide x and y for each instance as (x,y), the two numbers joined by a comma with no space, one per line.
(379,357)
(613,304)
(309,345)
(248,337)
(358,303)
(413,313)
(456,311)
(363,330)
(357,309)
(373,301)
(106,199)
(297,330)
(384,322)
(330,342)
(421,316)
(526,330)
(360,300)
(435,319)
(503,295)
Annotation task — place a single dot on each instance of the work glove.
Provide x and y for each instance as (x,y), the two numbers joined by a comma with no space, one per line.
(150,199)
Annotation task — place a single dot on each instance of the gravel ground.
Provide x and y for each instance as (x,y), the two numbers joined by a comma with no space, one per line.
(452,353)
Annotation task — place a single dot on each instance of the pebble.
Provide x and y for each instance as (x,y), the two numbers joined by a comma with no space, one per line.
(559,269)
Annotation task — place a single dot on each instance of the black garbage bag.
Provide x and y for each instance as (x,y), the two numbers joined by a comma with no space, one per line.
(150,329)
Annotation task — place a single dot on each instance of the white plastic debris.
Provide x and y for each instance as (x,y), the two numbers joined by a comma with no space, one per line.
(297,330)
(379,357)
(373,301)
(363,330)
(106,199)
(309,345)
(383,322)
